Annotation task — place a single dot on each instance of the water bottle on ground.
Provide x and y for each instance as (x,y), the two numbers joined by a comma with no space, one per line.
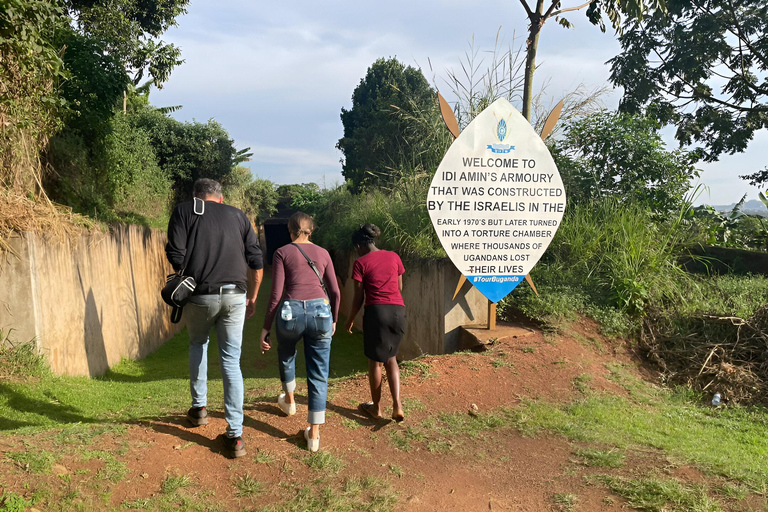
(286,313)
(716,399)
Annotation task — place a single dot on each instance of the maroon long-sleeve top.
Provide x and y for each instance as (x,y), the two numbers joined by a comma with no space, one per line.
(293,278)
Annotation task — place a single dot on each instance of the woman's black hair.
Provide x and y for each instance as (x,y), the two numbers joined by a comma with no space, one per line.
(366,235)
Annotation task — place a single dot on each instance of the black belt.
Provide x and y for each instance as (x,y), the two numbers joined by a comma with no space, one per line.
(218,290)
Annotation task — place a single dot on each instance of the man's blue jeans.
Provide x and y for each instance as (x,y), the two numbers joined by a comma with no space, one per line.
(227,313)
(312,320)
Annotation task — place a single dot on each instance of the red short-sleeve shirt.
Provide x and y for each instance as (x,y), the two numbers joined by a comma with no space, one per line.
(378,271)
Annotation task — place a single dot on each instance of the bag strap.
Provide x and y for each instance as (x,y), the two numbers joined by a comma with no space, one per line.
(313,267)
(193,233)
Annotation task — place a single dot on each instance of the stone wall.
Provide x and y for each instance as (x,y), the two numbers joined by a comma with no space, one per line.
(87,303)
(433,317)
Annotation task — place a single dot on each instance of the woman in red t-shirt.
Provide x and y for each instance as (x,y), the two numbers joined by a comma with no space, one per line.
(378,276)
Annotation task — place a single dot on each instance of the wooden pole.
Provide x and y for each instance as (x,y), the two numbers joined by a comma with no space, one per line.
(491,316)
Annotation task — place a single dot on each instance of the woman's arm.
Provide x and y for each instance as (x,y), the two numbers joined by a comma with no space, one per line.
(332,285)
(278,283)
(357,303)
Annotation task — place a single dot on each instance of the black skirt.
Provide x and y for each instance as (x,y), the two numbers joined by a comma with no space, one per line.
(383,329)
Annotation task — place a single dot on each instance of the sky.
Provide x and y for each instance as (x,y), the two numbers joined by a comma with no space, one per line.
(276,75)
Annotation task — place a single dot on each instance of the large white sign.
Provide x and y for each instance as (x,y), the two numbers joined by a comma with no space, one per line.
(496,200)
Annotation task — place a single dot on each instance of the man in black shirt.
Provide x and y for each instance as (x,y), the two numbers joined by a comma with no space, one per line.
(226,262)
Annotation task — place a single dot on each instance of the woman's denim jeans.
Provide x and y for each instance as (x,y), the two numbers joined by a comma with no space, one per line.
(312,320)
(227,313)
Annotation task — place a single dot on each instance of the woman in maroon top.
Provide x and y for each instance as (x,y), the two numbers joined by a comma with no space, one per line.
(306,305)
(378,276)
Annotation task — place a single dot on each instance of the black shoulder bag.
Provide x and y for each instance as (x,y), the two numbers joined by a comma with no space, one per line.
(179,288)
(313,267)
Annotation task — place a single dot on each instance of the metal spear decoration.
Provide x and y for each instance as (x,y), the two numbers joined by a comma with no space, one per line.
(496,199)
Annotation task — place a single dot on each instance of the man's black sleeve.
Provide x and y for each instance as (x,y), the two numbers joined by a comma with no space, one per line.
(253,253)
(176,248)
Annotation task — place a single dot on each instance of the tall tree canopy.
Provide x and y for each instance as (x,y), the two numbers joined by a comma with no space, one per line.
(623,156)
(130,31)
(701,66)
(539,11)
(378,139)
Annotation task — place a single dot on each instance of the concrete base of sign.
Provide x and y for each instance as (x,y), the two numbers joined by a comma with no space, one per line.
(477,337)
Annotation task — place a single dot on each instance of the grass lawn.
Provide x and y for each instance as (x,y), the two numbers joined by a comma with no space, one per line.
(158,385)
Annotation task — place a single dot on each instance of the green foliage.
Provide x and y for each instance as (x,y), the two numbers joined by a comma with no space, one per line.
(731,229)
(621,156)
(29,106)
(20,359)
(12,502)
(34,461)
(701,67)
(379,143)
(324,461)
(114,178)
(247,486)
(298,196)
(657,495)
(601,458)
(400,212)
(728,443)
(188,151)
(615,262)
(135,183)
(31,64)
(367,494)
(172,484)
(129,31)
(95,83)
(617,254)
(257,197)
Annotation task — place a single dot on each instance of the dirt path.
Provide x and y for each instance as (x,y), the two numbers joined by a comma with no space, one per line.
(364,464)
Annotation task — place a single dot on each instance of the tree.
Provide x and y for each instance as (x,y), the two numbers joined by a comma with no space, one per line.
(537,16)
(130,31)
(613,154)
(256,197)
(379,141)
(702,67)
(188,151)
(95,83)
(288,194)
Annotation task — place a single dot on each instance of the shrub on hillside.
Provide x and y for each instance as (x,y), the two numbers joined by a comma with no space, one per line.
(400,212)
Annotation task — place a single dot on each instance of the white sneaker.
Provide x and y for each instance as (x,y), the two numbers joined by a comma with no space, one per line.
(288,409)
(312,444)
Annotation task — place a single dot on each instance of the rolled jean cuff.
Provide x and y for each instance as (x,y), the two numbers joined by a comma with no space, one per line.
(316,417)
(289,387)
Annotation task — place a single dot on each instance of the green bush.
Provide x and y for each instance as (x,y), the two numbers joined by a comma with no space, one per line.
(113,177)
(399,211)
(20,359)
(136,187)
(614,262)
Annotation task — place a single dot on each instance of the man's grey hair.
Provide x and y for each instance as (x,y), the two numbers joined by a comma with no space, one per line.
(205,187)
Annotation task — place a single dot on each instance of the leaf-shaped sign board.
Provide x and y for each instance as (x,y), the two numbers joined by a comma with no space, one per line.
(496,200)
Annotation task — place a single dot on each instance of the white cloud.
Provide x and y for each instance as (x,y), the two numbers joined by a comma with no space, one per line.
(276,73)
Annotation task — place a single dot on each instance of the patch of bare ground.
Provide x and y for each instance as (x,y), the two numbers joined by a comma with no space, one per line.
(493,469)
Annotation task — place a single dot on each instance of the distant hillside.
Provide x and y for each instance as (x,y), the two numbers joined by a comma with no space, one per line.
(751,207)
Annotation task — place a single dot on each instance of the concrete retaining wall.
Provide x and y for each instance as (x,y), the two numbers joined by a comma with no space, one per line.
(90,303)
(433,317)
